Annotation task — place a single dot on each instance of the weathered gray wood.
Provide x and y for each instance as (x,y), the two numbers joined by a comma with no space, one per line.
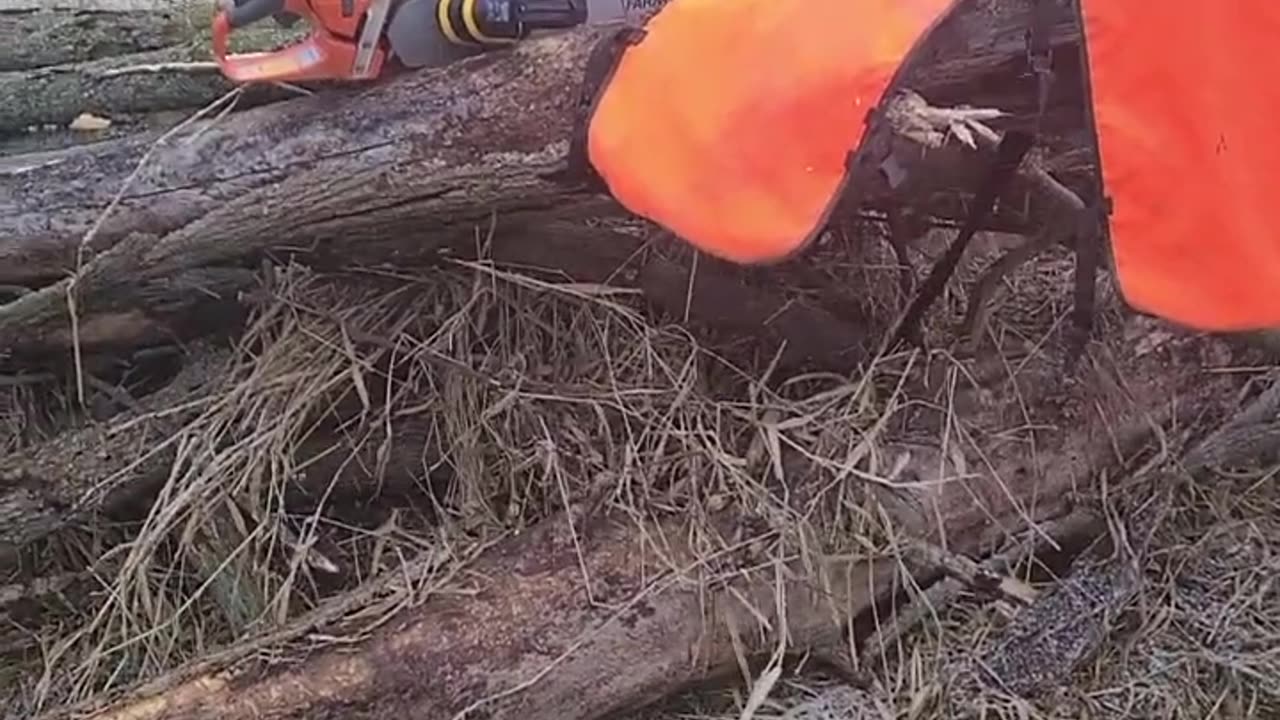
(115,63)
(44,488)
(424,151)
(107,87)
(40,34)
(649,630)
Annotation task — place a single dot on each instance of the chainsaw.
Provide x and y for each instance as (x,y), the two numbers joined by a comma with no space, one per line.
(356,39)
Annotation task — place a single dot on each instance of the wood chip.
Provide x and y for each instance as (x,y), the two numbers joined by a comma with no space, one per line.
(88,122)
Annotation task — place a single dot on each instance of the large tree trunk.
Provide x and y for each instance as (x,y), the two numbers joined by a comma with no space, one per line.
(640,630)
(40,34)
(349,174)
(120,61)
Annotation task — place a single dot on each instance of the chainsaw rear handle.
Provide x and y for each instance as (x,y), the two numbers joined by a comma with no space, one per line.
(320,56)
(501,22)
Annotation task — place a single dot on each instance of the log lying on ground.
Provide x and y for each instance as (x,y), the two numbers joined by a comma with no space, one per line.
(388,172)
(122,85)
(116,64)
(649,630)
(40,34)
(531,641)
(433,149)
(56,483)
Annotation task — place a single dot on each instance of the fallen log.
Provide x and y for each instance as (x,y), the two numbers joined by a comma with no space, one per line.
(40,34)
(528,643)
(57,482)
(430,155)
(590,614)
(118,87)
(115,63)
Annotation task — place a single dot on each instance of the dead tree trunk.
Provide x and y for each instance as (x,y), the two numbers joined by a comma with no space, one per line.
(42,33)
(116,60)
(350,174)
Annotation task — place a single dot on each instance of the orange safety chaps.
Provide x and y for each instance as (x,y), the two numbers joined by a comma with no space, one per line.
(1186,107)
(731,123)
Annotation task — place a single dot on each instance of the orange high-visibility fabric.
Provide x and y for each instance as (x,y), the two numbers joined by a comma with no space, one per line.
(1187,107)
(730,123)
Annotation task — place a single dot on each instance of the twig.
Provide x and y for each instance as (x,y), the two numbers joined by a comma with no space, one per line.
(164,67)
(116,393)
(102,218)
(25,379)
(969,572)
(984,291)
(943,594)
(1255,428)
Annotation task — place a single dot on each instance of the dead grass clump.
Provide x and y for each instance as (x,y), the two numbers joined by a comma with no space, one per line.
(507,399)
(1202,640)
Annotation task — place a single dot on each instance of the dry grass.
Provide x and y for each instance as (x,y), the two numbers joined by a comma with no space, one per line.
(1203,640)
(529,396)
(509,399)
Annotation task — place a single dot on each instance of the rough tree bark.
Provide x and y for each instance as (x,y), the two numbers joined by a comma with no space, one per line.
(113,59)
(40,34)
(348,175)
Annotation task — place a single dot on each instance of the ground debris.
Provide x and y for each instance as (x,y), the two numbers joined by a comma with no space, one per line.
(44,487)
(1047,641)
(840,702)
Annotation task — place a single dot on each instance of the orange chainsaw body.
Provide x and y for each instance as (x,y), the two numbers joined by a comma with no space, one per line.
(327,53)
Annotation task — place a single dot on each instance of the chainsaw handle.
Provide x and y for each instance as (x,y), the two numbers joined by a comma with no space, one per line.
(320,56)
(247,12)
